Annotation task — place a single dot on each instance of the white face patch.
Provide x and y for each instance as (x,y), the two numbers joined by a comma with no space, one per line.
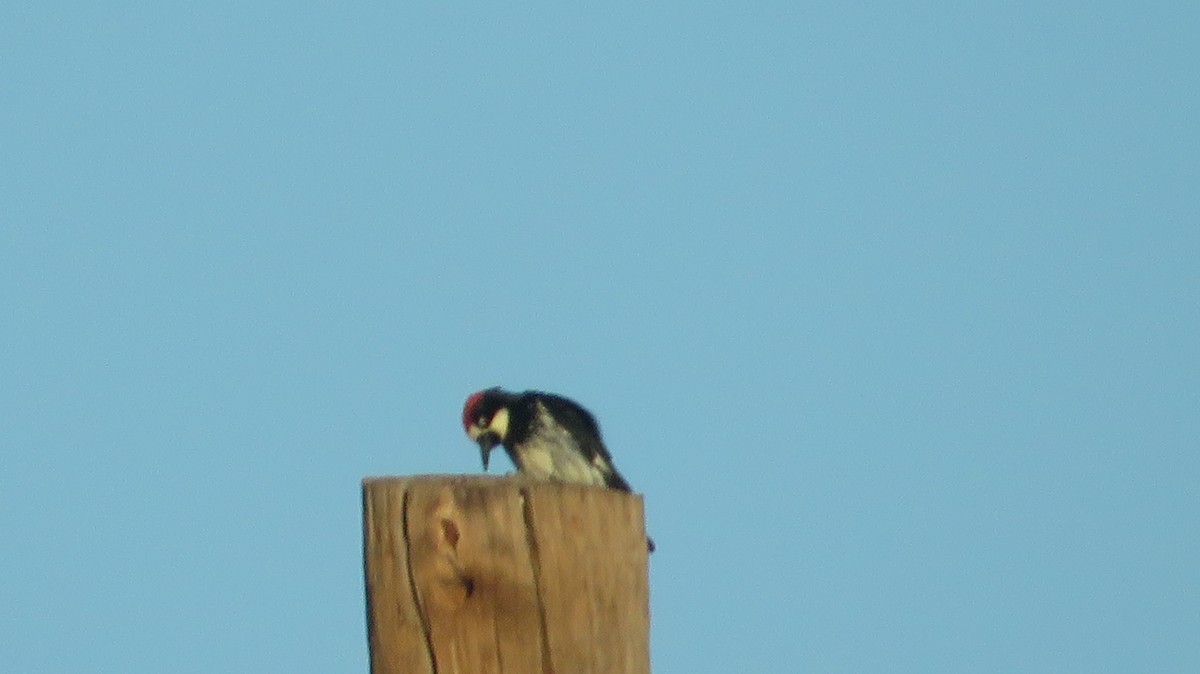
(499,423)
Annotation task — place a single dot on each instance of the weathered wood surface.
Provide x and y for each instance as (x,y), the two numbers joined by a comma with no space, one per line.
(480,575)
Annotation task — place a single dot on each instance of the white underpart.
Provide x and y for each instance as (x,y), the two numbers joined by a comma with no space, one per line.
(551,453)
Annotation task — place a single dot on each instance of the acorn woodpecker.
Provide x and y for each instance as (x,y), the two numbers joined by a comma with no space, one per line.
(547,436)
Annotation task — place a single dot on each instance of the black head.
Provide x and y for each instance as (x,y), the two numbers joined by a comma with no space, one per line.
(485,419)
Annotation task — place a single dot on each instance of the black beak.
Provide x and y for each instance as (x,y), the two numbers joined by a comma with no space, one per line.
(487,442)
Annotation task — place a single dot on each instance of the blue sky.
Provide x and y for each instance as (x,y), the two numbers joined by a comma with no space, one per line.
(891,312)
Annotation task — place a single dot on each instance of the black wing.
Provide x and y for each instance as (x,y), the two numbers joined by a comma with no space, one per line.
(582,425)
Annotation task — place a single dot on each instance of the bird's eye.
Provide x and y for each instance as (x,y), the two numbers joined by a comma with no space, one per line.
(481,422)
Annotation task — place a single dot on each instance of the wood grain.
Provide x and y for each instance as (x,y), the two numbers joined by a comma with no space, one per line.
(481,575)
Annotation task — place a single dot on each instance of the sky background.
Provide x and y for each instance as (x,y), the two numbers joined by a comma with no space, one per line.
(892,311)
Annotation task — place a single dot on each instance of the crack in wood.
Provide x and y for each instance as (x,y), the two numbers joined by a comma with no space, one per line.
(412,585)
(535,562)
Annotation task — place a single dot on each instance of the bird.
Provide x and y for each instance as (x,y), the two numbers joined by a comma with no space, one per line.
(547,436)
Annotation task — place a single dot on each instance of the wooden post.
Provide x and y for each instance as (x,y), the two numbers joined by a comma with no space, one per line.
(475,575)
